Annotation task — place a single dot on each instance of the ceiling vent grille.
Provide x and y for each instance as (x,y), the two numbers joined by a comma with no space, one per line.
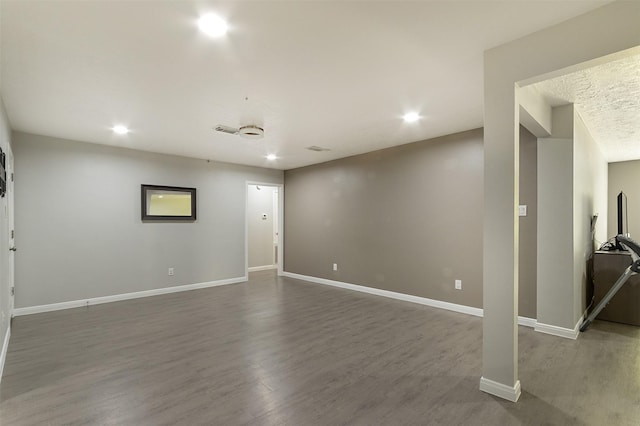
(226,129)
(317,148)
(249,132)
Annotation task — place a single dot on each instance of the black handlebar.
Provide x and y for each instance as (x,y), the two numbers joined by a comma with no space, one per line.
(634,249)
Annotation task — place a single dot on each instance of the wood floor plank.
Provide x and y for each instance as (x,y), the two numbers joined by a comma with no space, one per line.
(278,351)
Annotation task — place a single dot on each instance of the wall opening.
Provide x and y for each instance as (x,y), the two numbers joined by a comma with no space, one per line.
(263,227)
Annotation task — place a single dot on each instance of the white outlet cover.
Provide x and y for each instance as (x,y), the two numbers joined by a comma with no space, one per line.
(458,284)
(522,210)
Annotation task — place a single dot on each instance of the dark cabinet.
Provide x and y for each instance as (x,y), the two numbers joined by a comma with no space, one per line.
(625,305)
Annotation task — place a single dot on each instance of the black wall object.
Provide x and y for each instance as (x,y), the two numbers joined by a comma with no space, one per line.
(3,173)
(146,192)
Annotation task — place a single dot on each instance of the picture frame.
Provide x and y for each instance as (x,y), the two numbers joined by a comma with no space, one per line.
(168,203)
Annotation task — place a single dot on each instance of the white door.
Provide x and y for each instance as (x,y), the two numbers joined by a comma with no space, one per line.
(12,241)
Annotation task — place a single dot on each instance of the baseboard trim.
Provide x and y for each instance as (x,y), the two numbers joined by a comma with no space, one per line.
(125,296)
(5,348)
(390,294)
(554,330)
(262,268)
(527,322)
(463,309)
(510,393)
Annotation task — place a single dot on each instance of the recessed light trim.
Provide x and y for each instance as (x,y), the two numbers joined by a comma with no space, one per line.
(212,25)
(119,129)
(271,157)
(411,117)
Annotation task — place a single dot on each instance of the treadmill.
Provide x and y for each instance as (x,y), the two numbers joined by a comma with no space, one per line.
(634,248)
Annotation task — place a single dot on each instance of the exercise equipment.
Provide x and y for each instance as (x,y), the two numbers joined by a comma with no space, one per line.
(634,248)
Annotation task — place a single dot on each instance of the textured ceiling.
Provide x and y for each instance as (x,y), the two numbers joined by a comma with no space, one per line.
(335,74)
(607,97)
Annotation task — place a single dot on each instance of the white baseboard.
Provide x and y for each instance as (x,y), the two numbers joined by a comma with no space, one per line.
(510,393)
(262,268)
(125,296)
(5,348)
(527,322)
(391,294)
(560,331)
(478,312)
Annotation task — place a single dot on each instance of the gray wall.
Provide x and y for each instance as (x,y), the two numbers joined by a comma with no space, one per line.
(555,232)
(624,176)
(590,180)
(555,222)
(527,252)
(261,232)
(78,221)
(572,187)
(5,285)
(406,219)
(604,31)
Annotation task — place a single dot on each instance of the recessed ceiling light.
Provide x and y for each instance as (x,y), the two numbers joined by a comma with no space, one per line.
(410,117)
(272,157)
(212,25)
(120,129)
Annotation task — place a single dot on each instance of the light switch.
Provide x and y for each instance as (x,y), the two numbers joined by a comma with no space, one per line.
(523,210)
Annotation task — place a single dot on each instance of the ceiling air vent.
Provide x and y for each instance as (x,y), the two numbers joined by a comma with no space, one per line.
(317,148)
(249,132)
(226,129)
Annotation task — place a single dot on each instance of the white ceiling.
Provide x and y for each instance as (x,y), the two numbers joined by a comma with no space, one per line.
(607,97)
(333,74)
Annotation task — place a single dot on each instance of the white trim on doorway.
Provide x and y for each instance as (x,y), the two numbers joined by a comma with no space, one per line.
(11,227)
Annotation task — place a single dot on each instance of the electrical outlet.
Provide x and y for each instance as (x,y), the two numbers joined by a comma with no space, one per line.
(335,266)
(458,284)
(171,272)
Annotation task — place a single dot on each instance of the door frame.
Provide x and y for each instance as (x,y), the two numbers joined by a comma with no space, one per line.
(280,260)
(11,228)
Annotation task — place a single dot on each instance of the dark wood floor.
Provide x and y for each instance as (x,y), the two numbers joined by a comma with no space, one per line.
(277,351)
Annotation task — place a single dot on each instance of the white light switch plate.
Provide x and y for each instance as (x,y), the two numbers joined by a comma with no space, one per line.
(523,210)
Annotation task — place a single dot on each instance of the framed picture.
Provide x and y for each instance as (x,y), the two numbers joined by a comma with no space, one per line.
(3,173)
(168,203)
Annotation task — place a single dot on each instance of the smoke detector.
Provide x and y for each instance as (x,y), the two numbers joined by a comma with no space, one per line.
(251,132)
(248,132)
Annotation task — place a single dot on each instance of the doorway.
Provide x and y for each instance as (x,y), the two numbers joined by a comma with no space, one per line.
(264,227)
